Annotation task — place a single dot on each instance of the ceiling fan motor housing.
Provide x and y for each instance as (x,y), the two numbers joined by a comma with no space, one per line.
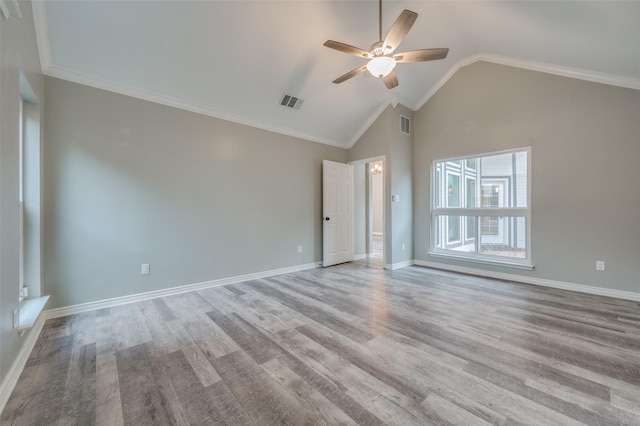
(378,49)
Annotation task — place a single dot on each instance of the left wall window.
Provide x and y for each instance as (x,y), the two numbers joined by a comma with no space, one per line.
(21,149)
(29,192)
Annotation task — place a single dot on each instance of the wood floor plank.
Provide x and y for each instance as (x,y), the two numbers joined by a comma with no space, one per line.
(259,394)
(143,399)
(210,338)
(323,410)
(79,400)
(201,366)
(190,395)
(454,413)
(108,400)
(350,344)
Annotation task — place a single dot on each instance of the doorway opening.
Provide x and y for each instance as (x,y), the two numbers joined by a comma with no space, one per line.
(369,214)
(376,208)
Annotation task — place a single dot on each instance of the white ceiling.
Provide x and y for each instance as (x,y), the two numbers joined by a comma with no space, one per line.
(235,59)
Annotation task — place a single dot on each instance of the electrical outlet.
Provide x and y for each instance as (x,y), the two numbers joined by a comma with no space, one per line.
(146,269)
(16,318)
(599,265)
(402,246)
(299,249)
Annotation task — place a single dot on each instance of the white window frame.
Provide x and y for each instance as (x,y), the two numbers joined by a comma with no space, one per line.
(21,152)
(507,212)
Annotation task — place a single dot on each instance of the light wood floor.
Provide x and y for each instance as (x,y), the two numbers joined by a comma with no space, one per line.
(342,345)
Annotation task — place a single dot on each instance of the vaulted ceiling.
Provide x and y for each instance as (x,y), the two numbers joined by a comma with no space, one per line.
(235,59)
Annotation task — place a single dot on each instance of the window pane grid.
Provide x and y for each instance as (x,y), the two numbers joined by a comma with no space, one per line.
(481,207)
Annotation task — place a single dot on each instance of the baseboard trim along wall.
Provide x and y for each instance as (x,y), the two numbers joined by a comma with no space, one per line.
(16,369)
(21,360)
(116,301)
(399,265)
(581,288)
(360,256)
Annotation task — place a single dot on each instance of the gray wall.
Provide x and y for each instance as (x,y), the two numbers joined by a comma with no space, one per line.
(585,141)
(384,138)
(130,182)
(18,52)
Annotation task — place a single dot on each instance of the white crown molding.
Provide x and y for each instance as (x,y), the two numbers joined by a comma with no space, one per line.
(579,74)
(147,95)
(368,123)
(42,34)
(452,71)
(48,68)
(15,371)
(391,100)
(10,9)
(580,288)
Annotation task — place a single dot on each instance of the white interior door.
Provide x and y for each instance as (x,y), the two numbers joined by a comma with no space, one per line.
(337,213)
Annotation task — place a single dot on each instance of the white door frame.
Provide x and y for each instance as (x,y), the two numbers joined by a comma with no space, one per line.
(364,161)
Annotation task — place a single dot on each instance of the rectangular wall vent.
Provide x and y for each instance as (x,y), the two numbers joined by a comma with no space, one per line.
(290,102)
(405,125)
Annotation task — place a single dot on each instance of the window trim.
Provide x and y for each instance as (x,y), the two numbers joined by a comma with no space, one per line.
(522,263)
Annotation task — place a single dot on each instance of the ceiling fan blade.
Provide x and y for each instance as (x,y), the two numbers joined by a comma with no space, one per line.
(421,55)
(350,74)
(399,30)
(347,48)
(391,80)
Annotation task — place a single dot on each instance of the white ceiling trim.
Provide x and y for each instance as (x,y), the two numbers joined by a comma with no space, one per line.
(10,8)
(42,34)
(48,68)
(123,89)
(580,74)
(392,100)
(577,73)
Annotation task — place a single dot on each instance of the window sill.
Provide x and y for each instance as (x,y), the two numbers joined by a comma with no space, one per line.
(526,266)
(29,311)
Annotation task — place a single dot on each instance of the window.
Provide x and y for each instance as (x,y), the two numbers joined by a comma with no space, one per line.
(481,208)
(29,192)
(21,199)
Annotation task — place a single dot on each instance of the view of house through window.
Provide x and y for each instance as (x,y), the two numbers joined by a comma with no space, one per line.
(481,207)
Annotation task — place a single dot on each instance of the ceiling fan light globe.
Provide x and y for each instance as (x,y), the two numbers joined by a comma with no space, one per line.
(381,66)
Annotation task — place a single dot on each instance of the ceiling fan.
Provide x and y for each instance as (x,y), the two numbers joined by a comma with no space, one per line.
(382,60)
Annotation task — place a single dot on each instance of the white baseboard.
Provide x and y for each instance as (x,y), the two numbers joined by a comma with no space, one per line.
(123,300)
(399,265)
(377,234)
(360,256)
(12,377)
(581,288)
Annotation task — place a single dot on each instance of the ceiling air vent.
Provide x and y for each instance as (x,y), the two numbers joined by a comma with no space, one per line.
(405,125)
(290,102)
